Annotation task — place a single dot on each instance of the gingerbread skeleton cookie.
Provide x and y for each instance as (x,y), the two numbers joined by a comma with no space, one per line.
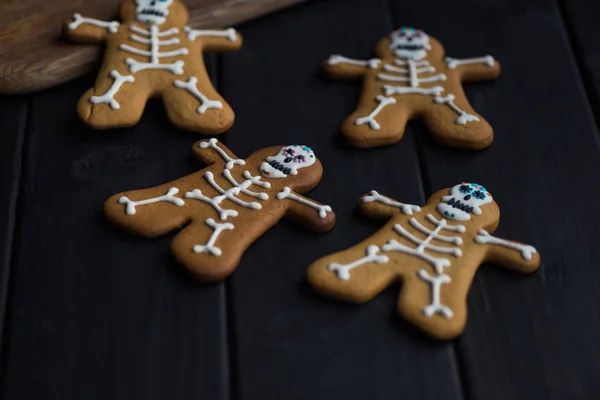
(434,250)
(152,53)
(410,78)
(225,207)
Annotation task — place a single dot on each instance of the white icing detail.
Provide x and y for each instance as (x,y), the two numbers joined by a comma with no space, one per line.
(390,90)
(252,180)
(424,244)
(190,86)
(436,282)
(154,54)
(438,263)
(152,12)
(287,193)
(464,199)
(338,59)
(111,26)
(463,116)
(370,119)
(108,97)
(214,202)
(452,63)
(343,270)
(448,239)
(230,162)
(134,66)
(231,193)
(453,228)
(169,197)
(409,43)
(434,78)
(375,196)
(391,68)
(256,180)
(415,63)
(210,247)
(192,34)
(484,237)
(288,160)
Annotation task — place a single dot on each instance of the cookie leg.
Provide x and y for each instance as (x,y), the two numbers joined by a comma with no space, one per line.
(210,249)
(115,102)
(377,121)
(453,122)
(432,303)
(356,275)
(194,104)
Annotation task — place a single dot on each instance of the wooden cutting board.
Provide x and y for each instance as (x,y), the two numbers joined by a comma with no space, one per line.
(34,56)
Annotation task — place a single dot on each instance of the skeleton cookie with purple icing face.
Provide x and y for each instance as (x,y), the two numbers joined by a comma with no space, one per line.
(152,11)
(409,43)
(464,199)
(287,162)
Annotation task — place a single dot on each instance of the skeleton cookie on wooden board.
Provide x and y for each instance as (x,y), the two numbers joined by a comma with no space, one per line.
(225,207)
(433,250)
(410,78)
(152,53)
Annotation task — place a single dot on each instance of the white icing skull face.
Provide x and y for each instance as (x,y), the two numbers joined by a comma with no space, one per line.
(410,43)
(287,162)
(152,11)
(464,199)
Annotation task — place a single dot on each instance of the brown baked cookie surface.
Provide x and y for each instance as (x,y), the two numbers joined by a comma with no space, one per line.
(411,78)
(226,206)
(152,53)
(434,251)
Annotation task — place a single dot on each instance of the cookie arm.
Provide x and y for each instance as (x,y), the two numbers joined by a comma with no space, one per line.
(349,68)
(509,254)
(306,212)
(215,40)
(89,30)
(382,207)
(212,151)
(474,69)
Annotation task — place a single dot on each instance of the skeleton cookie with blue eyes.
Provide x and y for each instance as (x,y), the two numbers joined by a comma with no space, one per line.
(226,206)
(435,250)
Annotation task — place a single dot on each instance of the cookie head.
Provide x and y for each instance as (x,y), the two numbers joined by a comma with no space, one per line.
(409,43)
(287,161)
(154,12)
(464,200)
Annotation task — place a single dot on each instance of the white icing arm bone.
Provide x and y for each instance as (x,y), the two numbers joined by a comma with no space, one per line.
(193,34)
(230,162)
(111,26)
(337,59)
(169,197)
(527,251)
(405,208)
(287,193)
(452,63)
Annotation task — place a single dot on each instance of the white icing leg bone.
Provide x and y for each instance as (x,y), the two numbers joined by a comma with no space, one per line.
(287,193)
(436,283)
(337,59)
(375,196)
(112,26)
(210,247)
(169,197)
(212,143)
(108,97)
(452,63)
(135,66)
(484,237)
(214,202)
(370,119)
(343,270)
(242,186)
(231,193)
(229,33)
(463,116)
(190,86)
(390,90)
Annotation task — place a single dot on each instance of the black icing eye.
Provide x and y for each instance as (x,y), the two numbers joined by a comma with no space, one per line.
(465,189)
(478,194)
(468,197)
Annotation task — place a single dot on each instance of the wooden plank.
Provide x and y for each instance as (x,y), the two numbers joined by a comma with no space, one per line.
(290,342)
(536,336)
(97,313)
(13,115)
(34,56)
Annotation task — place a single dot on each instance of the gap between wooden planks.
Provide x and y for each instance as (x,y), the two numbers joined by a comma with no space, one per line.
(34,56)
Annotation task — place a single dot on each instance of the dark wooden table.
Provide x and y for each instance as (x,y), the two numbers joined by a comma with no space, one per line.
(89,312)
